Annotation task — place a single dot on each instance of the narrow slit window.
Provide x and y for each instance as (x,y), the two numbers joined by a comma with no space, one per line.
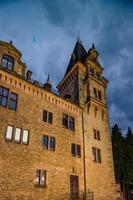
(25,138)
(17,135)
(9,133)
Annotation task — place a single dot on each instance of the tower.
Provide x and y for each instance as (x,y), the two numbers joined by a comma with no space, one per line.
(86,86)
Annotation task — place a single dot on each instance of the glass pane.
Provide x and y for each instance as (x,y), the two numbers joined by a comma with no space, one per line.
(10,65)
(4,101)
(12,104)
(9,133)
(45,141)
(4,62)
(5,92)
(78,150)
(52,143)
(50,118)
(25,136)
(71,123)
(17,134)
(43,178)
(45,116)
(73,151)
(37,178)
(65,120)
(94,154)
(13,96)
(1,89)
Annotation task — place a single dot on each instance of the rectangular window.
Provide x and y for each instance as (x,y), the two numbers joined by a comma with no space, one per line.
(17,135)
(65,120)
(52,143)
(73,149)
(98,135)
(99,95)
(3,96)
(9,133)
(25,138)
(40,179)
(45,141)
(95,92)
(91,71)
(78,151)
(71,123)
(96,155)
(47,117)
(97,76)
(50,117)
(13,101)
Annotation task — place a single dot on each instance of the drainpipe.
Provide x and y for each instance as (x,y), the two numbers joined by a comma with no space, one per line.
(83,132)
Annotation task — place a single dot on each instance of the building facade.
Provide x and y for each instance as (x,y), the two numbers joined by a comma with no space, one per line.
(54,146)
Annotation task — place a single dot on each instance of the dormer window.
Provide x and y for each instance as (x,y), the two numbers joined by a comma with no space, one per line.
(7,62)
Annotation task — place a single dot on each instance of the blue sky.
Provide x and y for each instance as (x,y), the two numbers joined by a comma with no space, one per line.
(45,31)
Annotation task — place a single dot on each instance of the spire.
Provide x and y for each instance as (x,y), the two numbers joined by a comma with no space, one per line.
(79,54)
(48,85)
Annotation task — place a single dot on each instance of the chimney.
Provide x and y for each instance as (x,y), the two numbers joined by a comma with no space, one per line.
(29,75)
(11,42)
(36,83)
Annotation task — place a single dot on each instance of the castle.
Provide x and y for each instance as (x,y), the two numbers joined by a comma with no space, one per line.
(54,146)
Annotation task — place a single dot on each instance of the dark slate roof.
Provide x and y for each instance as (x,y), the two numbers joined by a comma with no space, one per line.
(79,54)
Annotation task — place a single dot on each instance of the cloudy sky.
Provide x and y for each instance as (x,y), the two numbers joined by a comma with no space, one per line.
(45,31)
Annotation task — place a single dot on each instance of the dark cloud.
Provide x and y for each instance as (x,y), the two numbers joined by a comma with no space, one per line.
(55,24)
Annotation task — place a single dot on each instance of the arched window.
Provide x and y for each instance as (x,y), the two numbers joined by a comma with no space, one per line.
(7,62)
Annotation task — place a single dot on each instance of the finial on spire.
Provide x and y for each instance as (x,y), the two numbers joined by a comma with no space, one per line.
(93,46)
(79,40)
(48,79)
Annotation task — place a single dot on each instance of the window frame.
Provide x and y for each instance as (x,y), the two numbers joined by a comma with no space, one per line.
(13,100)
(9,59)
(96,153)
(7,139)
(47,117)
(26,143)
(15,135)
(40,173)
(4,96)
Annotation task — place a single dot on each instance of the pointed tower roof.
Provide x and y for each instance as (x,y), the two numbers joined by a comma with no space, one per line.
(79,54)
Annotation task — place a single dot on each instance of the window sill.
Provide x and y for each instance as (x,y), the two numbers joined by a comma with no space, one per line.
(40,186)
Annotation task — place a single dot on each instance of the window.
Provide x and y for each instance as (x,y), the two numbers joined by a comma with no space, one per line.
(45,141)
(68,122)
(40,179)
(71,123)
(95,92)
(75,150)
(91,71)
(49,142)
(96,134)
(3,96)
(17,135)
(7,62)
(47,117)
(99,95)
(97,76)
(8,99)
(65,120)
(52,143)
(96,153)
(25,138)
(13,101)
(9,133)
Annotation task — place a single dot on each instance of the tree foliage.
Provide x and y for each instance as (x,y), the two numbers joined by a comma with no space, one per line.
(123,157)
